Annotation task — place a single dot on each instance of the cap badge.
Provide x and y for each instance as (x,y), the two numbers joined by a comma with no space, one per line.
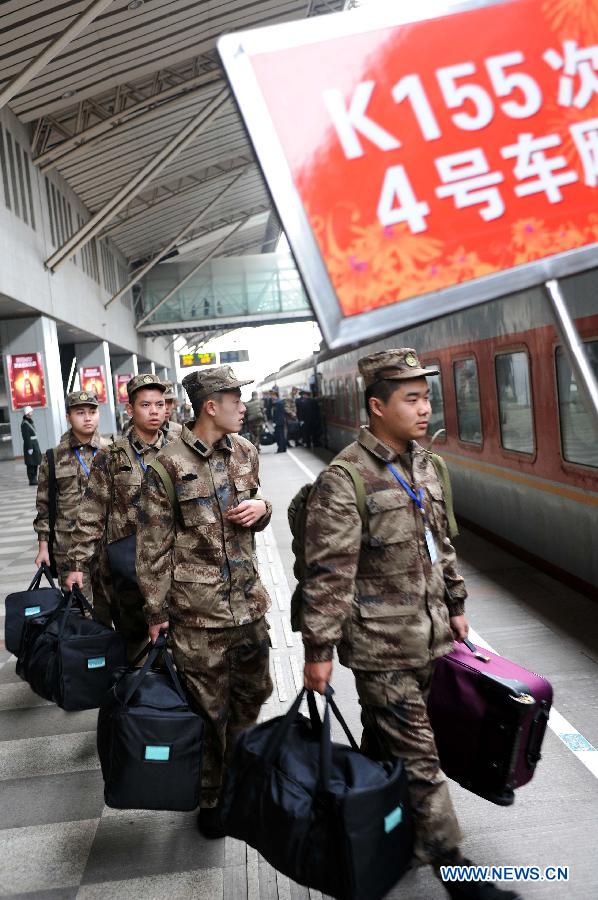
(148,379)
(411,360)
(83,396)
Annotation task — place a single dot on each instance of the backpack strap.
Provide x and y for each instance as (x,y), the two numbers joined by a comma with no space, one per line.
(444,478)
(166,480)
(357,484)
(52,504)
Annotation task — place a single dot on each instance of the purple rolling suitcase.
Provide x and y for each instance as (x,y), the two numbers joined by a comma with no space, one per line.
(489,718)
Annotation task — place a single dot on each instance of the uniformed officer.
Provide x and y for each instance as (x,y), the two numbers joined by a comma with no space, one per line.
(73,458)
(171,428)
(388,593)
(255,420)
(108,512)
(197,570)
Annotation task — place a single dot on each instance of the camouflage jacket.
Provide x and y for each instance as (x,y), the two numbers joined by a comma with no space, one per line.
(109,507)
(71,481)
(192,563)
(254,413)
(373,590)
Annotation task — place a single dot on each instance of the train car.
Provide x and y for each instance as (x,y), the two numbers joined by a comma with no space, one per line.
(507,416)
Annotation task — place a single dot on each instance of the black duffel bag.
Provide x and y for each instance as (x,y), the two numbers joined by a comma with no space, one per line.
(121,558)
(23,605)
(322,813)
(267,436)
(149,739)
(68,657)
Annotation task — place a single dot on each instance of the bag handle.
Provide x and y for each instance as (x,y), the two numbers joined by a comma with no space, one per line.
(43,570)
(159,649)
(76,596)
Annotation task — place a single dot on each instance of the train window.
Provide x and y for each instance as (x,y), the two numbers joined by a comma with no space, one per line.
(340,398)
(467,391)
(437,403)
(515,401)
(350,411)
(578,438)
(360,392)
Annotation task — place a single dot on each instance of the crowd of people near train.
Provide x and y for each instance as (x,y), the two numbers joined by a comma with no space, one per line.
(187,500)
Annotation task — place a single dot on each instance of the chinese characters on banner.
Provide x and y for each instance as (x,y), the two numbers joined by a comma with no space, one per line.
(197,359)
(440,151)
(120,384)
(26,378)
(93,381)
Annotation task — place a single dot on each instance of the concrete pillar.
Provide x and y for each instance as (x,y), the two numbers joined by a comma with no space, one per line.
(123,365)
(27,337)
(92,355)
(146,367)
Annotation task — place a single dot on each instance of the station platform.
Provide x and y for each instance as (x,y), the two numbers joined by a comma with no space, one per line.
(58,840)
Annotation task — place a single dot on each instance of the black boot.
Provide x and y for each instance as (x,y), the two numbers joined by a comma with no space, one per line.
(475,890)
(210,823)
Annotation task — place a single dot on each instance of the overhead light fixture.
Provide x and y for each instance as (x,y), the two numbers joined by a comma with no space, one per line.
(135,4)
(68,94)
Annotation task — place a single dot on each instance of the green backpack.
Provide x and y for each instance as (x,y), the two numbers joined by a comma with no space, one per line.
(297,514)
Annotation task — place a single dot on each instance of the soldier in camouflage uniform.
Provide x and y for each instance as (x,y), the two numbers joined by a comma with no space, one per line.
(108,512)
(198,572)
(387,593)
(73,458)
(171,428)
(255,420)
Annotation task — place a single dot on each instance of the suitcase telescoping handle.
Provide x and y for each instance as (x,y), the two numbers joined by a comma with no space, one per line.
(37,578)
(475,651)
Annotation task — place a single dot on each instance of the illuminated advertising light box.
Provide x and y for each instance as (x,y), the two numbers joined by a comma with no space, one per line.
(26,378)
(120,384)
(93,381)
(420,167)
(197,359)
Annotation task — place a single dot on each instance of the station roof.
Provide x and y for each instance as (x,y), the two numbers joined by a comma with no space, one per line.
(118,92)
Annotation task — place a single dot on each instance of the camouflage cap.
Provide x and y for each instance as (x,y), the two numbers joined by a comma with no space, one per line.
(392,365)
(201,384)
(169,393)
(81,398)
(144,381)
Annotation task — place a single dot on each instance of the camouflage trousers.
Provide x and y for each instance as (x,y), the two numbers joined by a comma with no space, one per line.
(226,672)
(255,434)
(395,722)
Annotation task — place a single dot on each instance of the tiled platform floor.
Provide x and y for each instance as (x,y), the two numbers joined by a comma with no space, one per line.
(58,840)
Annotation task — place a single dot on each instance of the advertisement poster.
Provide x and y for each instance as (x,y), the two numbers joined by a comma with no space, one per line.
(93,381)
(26,378)
(440,162)
(120,384)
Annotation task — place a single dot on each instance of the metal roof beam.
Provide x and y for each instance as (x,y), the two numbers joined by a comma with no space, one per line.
(76,145)
(156,259)
(192,272)
(143,177)
(52,50)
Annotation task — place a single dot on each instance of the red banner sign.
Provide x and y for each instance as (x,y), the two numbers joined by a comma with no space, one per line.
(93,380)
(429,154)
(26,378)
(120,384)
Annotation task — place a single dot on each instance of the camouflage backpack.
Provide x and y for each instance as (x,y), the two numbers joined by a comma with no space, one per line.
(297,514)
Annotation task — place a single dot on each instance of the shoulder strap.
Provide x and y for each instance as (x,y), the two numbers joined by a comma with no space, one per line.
(444,478)
(357,484)
(51,492)
(166,480)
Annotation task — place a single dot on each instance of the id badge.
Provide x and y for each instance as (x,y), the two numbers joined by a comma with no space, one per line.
(431,545)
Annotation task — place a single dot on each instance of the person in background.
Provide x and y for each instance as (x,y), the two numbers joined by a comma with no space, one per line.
(171,428)
(73,458)
(279,417)
(255,420)
(108,513)
(31,452)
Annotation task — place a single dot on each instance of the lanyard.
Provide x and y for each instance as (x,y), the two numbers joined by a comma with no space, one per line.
(418,499)
(82,462)
(140,458)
